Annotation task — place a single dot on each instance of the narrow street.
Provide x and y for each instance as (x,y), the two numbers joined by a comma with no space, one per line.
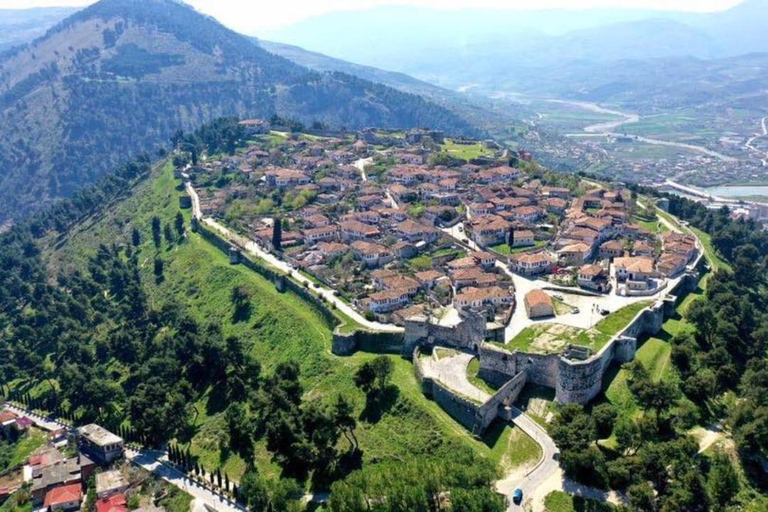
(150,460)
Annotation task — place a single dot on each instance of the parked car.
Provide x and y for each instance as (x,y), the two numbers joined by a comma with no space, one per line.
(576,311)
(558,296)
(517,496)
(604,312)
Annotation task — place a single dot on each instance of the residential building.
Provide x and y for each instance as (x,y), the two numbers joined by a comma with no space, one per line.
(635,268)
(531,263)
(100,444)
(110,483)
(477,298)
(574,254)
(611,249)
(594,277)
(66,497)
(356,230)
(374,255)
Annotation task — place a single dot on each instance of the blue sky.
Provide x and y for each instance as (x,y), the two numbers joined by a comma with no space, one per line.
(253,16)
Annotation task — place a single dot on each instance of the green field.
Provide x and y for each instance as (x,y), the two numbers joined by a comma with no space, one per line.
(281,327)
(506,250)
(472,370)
(465,151)
(654,353)
(709,250)
(25,446)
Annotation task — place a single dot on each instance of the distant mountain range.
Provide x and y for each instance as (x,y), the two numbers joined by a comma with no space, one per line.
(510,51)
(122,75)
(20,26)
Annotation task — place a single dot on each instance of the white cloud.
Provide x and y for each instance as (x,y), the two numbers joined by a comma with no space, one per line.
(253,16)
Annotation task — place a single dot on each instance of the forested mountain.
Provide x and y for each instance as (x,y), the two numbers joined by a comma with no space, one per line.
(122,75)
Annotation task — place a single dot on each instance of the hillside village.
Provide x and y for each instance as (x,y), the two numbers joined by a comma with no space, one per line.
(403,224)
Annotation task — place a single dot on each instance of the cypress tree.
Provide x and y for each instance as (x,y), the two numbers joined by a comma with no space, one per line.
(277,234)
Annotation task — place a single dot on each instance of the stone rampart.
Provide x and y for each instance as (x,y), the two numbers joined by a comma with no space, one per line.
(468,334)
(462,409)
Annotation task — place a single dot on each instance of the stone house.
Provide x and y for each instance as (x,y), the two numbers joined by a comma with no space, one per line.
(531,264)
(611,249)
(374,255)
(594,277)
(538,304)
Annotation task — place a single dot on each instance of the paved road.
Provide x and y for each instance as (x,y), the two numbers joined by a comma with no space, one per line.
(152,462)
(253,248)
(547,466)
(44,423)
(452,371)
(749,145)
(360,164)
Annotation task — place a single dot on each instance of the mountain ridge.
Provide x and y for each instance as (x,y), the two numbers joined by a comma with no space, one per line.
(121,76)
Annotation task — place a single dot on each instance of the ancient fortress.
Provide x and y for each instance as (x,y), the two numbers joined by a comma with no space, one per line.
(576,375)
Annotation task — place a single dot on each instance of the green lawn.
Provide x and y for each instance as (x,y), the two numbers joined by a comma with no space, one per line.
(26,445)
(620,318)
(654,353)
(465,151)
(558,501)
(709,250)
(510,447)
(506,250)
(472,370)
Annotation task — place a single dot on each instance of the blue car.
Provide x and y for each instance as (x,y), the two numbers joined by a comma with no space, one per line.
(517,496)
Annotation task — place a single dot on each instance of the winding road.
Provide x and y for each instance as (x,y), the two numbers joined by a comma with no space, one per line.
(749,145)
(153,461)
(608,129)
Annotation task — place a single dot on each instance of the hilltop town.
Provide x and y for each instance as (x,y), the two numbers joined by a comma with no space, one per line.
(405,224)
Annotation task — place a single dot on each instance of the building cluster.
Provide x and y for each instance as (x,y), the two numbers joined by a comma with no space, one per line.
(396,229)
(57,474)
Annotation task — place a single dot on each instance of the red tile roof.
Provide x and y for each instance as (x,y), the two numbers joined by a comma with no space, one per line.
(63,494)
(116,503)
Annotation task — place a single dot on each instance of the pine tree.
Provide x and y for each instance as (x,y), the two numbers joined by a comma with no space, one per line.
(179,222)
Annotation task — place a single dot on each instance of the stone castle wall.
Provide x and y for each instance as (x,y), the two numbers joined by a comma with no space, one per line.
(469,334)
(581,381)
(504,397)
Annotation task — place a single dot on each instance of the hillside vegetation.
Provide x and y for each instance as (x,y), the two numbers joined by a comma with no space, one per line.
(122,75)
(168,342)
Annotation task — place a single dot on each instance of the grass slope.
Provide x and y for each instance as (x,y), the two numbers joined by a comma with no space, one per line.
(281,327)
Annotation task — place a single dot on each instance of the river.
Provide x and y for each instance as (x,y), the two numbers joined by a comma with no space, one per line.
(739,191)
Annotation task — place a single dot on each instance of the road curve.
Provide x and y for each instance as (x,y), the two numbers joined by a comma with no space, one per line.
(547,466)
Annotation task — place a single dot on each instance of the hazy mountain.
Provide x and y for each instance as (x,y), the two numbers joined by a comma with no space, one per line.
(481,111)
(123,75)
(497,49)
(19,26)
